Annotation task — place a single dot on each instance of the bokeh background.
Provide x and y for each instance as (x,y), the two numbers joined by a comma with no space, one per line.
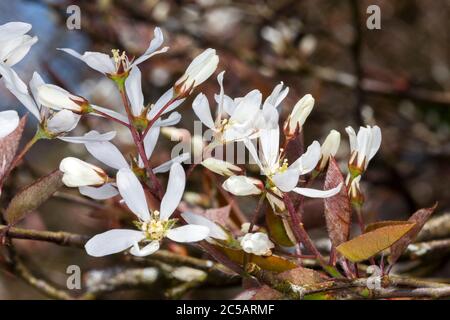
(397,77)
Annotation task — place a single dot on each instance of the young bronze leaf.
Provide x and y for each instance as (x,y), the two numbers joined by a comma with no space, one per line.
(379,224)
(32,196)
(8,148)
(369,244)
(277,229)
(337,208)
(419,217)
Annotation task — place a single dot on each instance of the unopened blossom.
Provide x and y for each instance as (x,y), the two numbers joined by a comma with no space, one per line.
(245,115)
(118,63)
(257,243)
(153,226)
(14,42)
(78,173)
(55,123)
(298,116)
(57,98)
(100,147)
(200,69)
(243,186)
(329,148)
(363,147)
(354,190)
(221,167)
(9,120)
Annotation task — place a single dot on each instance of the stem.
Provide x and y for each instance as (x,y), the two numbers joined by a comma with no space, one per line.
(256,212)
(302,236)
(158,114)
(138,140)
(25,149)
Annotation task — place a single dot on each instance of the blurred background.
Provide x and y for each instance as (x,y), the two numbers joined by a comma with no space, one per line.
(397,77)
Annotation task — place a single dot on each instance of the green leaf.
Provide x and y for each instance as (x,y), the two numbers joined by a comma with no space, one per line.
(419,218)
(338,211)
(32,196)
(369,244)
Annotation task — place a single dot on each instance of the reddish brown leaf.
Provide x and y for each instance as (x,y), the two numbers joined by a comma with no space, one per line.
(337,208)
(277,229)
(32,196)
(8,148)
(419,217)
(369,244)
(218,215)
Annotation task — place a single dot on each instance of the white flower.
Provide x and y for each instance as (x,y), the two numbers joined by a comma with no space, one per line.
(239,125)
(363,146)
(78,173)
(118,63)
(200,69)
(14,42)
(57,98)
(243,186)
(9,120)
(257,243)
(329,147)
(282,176)
(154,226)
(298,116)
(55,122)
(221,167)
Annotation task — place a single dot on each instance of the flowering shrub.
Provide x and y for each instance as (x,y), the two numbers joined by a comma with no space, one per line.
(273,245)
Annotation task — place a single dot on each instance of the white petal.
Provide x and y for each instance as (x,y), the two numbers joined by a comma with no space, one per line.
(248,105)
(215,231)
(270,140)
(35,82)
(166,165)
(96,60)
(11,30)
(58,98)
(107,153)
(150,140)
(286,181)
(154,45)
(220,97)
(150,248)
(352,137)
(308,161)
(202,110)
(91,136)
(242,186)
(102,193)
(314,193)
(162,101)
(376,142)
(171,120)
(132,193)
(174,192)
(221,167)
(134,91)
(9,120)
(109,112)
(63,121)
(20,51)
(19,89)
(112,241)
(277,96)
(188,233)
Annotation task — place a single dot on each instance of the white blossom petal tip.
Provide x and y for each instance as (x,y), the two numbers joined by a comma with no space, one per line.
(9,120)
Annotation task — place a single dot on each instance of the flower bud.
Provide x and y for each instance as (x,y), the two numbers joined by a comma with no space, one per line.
(57,98)
(329,148)
(62,121)
(78,173)
(354,191)
(363,147)
(257,243)
(243,186)
(221,167)
(200,69)
(298,116)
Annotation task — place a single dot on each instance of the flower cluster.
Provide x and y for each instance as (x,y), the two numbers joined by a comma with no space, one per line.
(249,120)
